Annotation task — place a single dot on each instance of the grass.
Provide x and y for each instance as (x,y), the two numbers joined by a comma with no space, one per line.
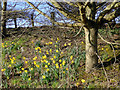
(51,61)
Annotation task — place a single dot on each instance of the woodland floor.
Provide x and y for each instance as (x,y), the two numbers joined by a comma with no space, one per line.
(107,75)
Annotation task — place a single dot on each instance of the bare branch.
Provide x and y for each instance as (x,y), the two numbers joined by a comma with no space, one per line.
(109,17)
(67,14)
(107,41)
(105,11)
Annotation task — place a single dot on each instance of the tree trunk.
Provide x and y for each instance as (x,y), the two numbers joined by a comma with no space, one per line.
(3,19)
(53,18)
(91,48)
(32,20)
(15,22)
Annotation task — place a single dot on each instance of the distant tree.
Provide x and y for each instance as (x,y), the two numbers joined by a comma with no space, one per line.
(3,18)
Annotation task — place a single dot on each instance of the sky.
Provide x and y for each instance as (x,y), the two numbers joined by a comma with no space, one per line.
(21,6)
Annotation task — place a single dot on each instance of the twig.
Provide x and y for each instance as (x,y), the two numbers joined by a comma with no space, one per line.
(79,31)
(104,70)
(107,41)
(114,53)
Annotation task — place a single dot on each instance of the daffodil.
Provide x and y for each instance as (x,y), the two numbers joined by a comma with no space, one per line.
(3,70)
(57,38)
(46,43)
(22,68)
(69,44)
(72,62)
(7,77)
(63,63)
(12,61)
(48,69)
(29,79)
(57,67)
(31,41)
(55,45)
(13,58)
(77,84)
(60,65)
(71,57)
(63,71)
(82,80)
(67,69)
(47,52)
(82,42)
(54,61)
(54,56)
(9,65)
(102,48)
(43,77)
(61,53)
(39,48)
(44,57)
(51,58)
(38,66)
(31,69)
(42,61)
(50,42)
(35,62)
(46,66)
(65,44)
(35,58)
(56,50)
(3,46)
(45,61)
(26,62)
(50,50)
(36,49)
(60,60)
(24,57)
(20,71)
(26,71)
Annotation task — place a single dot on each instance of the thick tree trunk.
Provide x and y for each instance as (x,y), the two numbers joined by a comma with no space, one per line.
(91,48)
(3,19)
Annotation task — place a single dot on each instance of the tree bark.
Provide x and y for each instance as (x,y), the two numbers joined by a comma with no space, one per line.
(91,48)
(3,19)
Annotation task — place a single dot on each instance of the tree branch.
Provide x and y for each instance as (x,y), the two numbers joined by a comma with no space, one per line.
(65,12)
(105,11)
(109,17)
(57,23)
(107,41)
